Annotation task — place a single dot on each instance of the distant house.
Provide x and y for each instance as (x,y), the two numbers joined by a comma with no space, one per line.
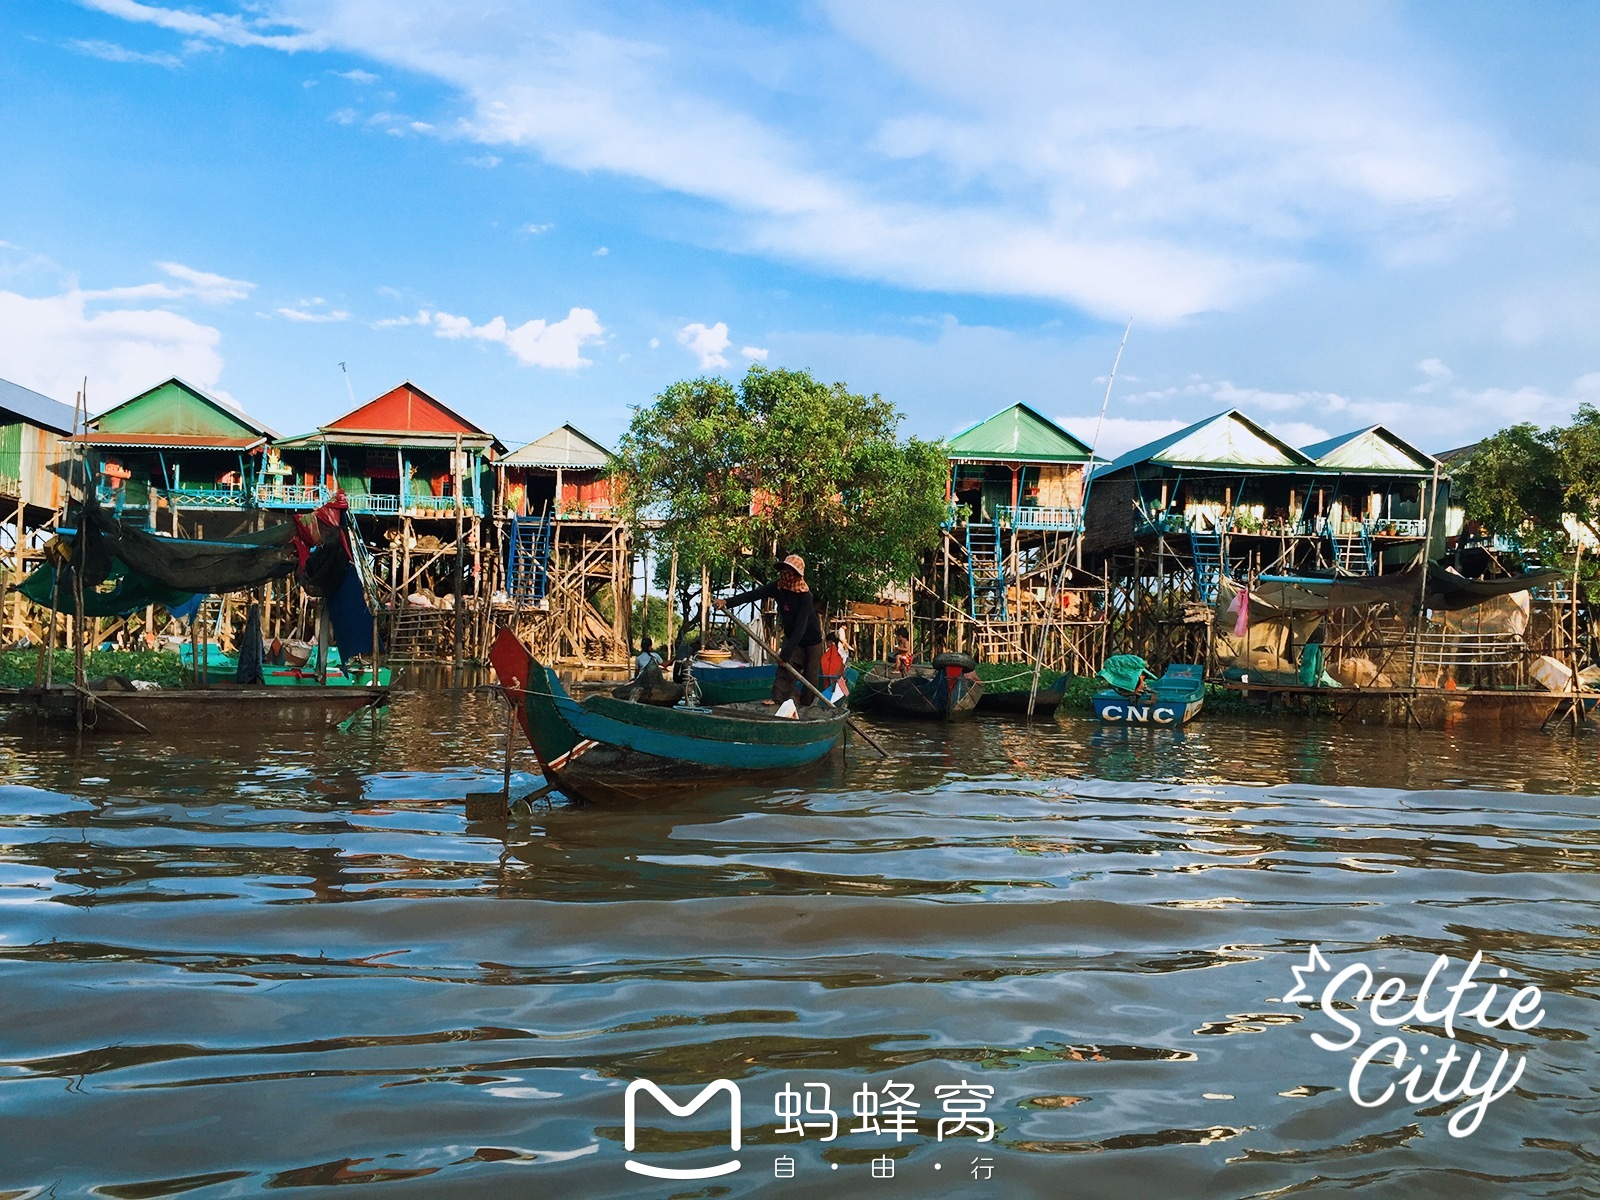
(1219,472)
(32,427)
(563,472)
(174,447)
(395,455)
(1375,478)
(1353,503)
(1019,468)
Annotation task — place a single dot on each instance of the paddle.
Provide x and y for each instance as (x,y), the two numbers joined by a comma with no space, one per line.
(810,687)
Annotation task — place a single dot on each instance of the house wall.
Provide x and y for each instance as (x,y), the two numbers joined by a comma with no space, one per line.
(1060,486)
(27,456)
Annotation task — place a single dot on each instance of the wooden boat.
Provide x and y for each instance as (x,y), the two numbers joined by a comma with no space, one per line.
(177,711)
(948,688)
(1015,703)
(736,683)
(605,748)
(1173,699)
(741,683)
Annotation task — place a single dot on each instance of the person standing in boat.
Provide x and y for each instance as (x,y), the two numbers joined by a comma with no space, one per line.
(802,631)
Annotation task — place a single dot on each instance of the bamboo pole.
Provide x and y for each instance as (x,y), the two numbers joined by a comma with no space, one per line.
(79,674)
(459,631)
(1422,587)
(672,598)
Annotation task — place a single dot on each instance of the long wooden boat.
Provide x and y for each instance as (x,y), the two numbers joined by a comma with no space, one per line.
(177,711)
(1173,699)
(608,749)
(743,683)
(946,689)
(735,684)
(1016,702)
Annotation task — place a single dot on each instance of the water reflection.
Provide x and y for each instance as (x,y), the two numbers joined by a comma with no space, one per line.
(250,962)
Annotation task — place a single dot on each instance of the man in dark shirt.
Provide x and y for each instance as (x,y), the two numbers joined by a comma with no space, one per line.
(802,631)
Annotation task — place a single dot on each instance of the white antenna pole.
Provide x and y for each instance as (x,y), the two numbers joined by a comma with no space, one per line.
(1094,447)
(352,392)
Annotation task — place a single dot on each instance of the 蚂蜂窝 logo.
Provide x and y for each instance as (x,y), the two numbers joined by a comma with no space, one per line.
(630,1102)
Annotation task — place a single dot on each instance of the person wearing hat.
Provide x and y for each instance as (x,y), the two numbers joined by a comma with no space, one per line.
(802,631)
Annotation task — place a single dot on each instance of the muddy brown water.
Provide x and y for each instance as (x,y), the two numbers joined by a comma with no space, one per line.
(240,964)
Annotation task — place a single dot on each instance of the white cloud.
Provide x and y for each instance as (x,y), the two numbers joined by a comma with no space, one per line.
(112,52)
(423,317)
(53,342)
(207,287)
(1437,373)
(356,75)
(1032,152)
(536,343)
(602,252)
(486,161)
(344,116)
(315,309)
(655,343)
(227,29)
(754,353)
(1118,435)
(1297,433)
(537,229)
(707,343)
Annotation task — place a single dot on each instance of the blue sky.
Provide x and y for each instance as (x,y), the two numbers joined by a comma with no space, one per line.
(1326,215)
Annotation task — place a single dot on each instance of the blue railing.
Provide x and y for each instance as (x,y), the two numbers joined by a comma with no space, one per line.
(1039,517)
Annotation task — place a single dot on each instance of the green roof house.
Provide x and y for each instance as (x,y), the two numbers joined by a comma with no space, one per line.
(176,447)
(1021,468)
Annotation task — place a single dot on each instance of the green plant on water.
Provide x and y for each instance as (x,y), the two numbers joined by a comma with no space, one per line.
(20,668)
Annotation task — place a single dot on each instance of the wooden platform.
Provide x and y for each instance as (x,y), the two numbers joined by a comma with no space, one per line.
(1428,707)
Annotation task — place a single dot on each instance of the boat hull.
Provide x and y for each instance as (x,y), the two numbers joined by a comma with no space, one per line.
(1016,703)
(926,693)
(610,749)
(734,685)
(746,684)
(1174,699)
(1117,709)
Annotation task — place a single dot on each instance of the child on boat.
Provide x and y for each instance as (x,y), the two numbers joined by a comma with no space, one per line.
(902,650)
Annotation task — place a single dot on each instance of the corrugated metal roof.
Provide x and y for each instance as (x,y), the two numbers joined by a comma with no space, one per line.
(178,408)
(167,441)
(35,408)
(1018,434)
(1228,439)
(1373,449)
(567,446)
(379,439)
(406,411)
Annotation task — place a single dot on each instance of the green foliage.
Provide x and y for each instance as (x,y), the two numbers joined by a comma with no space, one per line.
(650,619)
(1510,483)
(781,464)
(1577,451)
(18,667)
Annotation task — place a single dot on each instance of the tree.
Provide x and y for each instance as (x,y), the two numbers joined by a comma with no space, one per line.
(1538,487)
(781,464)
(1509,484)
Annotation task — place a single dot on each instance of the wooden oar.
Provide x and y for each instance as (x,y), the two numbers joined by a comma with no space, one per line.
(809,686)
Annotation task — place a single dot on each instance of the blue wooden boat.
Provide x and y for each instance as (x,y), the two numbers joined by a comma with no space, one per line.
(733,684)
(605,748)
(744,684)
(1173,699)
